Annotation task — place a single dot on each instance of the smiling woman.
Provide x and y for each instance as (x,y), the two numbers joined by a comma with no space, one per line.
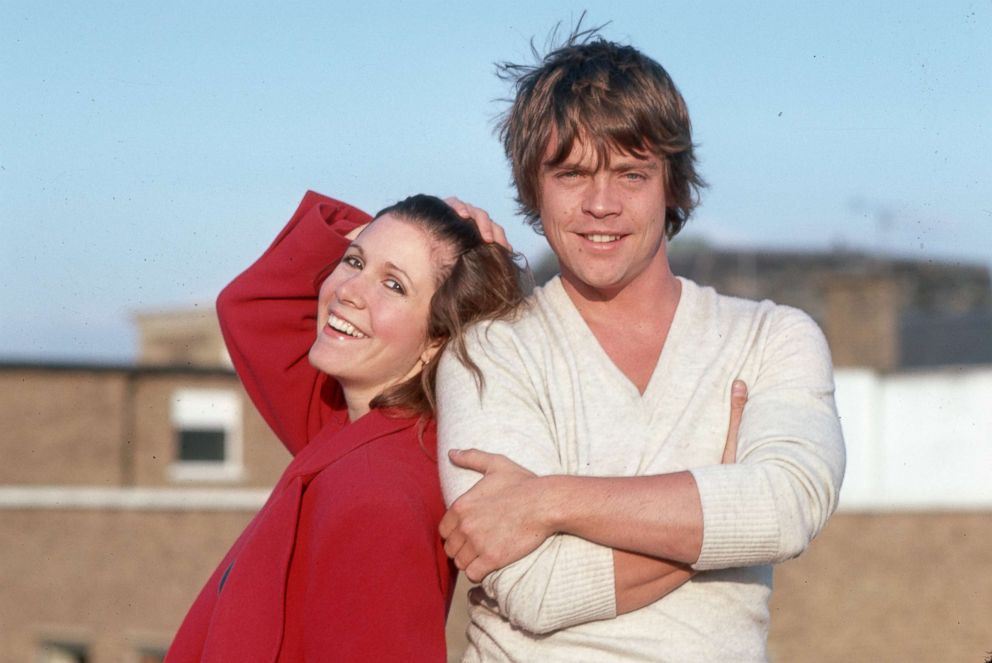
(372,310)
(344,561)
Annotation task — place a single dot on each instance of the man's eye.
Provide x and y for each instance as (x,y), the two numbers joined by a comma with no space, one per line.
(633,177)
(395,286)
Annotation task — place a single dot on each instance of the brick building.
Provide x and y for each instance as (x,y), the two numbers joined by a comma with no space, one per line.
(878,312)
(122,486)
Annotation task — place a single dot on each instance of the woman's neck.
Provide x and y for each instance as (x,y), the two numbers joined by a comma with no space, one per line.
(357,403)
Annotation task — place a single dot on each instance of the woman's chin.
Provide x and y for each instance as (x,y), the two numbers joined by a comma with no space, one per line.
(318,358)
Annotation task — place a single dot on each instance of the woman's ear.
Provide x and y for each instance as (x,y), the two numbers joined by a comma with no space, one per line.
(432,349)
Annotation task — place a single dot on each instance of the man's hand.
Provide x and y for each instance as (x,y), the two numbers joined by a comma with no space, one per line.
(489,229)
(738,397)
(501,519)
(641,580)
(496,522)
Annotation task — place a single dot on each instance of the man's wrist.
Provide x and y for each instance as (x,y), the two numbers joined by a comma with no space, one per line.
(554,502)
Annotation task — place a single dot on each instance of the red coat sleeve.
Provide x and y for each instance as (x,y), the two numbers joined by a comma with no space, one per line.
(377,590)
(268,318)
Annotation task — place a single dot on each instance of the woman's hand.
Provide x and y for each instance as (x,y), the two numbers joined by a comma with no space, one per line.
(356,231)
(489,229)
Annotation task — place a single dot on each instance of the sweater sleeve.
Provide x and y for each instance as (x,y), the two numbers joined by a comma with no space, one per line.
(268,318)
(566,580)
(768,506)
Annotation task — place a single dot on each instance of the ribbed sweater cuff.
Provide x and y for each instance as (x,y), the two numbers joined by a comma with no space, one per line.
(740,518)
(570,582)
(584,585)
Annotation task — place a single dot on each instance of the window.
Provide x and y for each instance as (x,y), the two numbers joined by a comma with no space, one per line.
(202,444)
(62,652)
(207,426)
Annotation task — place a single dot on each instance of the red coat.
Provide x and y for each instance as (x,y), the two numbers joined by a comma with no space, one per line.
(344,562)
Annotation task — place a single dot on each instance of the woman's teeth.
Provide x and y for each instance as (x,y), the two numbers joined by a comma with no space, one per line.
(344,326)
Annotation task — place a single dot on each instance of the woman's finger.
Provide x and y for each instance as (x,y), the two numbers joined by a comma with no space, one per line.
(488,229)
(499,236)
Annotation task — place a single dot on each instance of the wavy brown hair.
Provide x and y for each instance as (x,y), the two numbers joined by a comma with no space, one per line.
(479,280)
(612,97)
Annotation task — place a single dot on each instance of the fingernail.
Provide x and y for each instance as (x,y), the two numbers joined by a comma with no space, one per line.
(738,388)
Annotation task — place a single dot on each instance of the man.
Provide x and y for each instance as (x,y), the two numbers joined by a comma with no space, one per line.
(604,526)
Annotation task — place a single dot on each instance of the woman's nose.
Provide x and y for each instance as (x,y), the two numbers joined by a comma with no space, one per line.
(351,291)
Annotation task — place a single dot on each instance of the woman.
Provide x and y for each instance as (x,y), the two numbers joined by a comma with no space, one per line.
(344,561)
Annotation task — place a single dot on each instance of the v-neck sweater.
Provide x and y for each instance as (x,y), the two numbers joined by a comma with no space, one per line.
(555,402)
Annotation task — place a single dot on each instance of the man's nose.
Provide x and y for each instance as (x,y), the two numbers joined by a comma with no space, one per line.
(601,198)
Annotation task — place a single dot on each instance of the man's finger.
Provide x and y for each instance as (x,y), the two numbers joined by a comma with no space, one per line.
(454,543)
(738,397)
(448,524)
(477,570)
(473,459)
(466,556)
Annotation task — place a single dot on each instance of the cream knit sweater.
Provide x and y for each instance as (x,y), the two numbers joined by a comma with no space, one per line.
(555,403)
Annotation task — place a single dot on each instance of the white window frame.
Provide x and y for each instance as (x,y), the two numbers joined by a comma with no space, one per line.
(209,408)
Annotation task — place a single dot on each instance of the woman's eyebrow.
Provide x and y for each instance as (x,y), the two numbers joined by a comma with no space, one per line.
(396,268)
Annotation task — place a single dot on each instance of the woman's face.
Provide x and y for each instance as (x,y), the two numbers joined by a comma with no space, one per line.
(372,309)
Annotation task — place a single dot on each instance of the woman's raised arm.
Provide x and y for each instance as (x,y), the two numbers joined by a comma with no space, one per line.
(268,318)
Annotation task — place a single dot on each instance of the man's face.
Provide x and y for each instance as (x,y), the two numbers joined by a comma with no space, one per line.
(605,224)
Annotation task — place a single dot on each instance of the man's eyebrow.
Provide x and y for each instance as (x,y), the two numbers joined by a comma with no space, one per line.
(620,163)
(630,163)
(562,165)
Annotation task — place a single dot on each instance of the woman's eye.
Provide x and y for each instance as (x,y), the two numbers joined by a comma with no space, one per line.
(352,261)
(395,286)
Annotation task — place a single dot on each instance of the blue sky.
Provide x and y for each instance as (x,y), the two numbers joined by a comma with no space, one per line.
(150,151)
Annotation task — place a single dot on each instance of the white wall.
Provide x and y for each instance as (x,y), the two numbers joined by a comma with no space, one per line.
(917,439)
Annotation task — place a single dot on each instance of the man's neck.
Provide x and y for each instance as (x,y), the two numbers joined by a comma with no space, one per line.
(630,323)
(645,298)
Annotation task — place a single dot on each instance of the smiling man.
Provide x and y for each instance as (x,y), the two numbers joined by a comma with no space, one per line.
(591,501)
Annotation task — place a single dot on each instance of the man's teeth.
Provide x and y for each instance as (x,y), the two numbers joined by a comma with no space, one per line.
(602,238)
(344,327)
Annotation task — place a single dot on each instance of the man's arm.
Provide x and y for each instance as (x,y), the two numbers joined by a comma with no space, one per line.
(639,579)
(765,509)
(566,580)
(557,582)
